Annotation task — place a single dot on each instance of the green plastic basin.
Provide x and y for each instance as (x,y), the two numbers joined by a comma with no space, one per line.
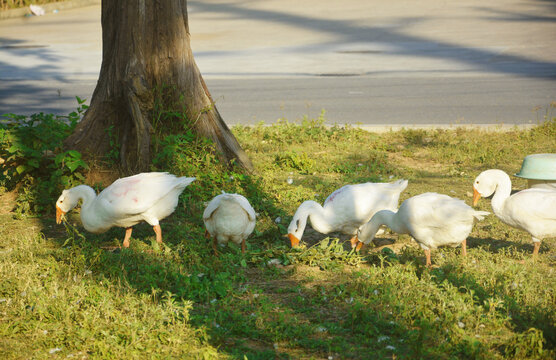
(539,167)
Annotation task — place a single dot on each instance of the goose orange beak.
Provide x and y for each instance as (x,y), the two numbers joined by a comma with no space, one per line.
(476,196)
(293,240)
(355,243)
(59,214)
(354,240)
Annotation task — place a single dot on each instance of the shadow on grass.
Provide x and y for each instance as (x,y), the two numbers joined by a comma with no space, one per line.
(522,316)
(496,246)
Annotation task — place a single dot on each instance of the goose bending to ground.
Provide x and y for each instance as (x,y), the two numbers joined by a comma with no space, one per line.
(146,197)
(346,209)
(432,219)
(532,210)
(229,217)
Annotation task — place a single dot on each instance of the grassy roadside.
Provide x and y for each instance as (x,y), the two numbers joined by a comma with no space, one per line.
(62,295)
(16,4)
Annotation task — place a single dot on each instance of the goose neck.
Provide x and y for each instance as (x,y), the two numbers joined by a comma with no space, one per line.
(86,194)
(502,192)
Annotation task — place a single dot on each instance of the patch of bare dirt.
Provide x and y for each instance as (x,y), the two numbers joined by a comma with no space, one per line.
(7,202)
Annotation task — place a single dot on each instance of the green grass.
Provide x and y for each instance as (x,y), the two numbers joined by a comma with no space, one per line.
(62,290)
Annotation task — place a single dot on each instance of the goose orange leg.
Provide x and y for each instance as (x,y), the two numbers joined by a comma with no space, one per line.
(243,246)
(127,236)
(214,242)
(158,232)
(428,257)
(464,248)
(536,247)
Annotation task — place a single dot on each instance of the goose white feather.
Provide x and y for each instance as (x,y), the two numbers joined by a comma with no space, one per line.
(432,219)
(346,209)
(146,197)
(229,217)
(532,210)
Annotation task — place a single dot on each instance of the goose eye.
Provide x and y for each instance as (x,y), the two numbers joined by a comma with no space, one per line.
(296,225)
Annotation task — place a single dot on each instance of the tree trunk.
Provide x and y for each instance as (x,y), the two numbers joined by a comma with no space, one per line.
(146,49)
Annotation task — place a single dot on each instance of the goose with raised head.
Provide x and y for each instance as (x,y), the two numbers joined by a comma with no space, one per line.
(532,210)
(432,219)
(146,197)
(229,217)
(346,209)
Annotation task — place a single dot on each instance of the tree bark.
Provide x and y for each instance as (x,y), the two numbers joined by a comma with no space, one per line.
(146,48)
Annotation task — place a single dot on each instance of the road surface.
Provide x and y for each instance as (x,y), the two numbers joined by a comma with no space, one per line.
(364,62)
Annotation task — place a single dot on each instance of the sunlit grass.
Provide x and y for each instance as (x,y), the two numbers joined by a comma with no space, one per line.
(61,290)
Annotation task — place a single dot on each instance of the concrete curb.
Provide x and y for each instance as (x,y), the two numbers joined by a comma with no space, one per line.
(482,127)
(49,8)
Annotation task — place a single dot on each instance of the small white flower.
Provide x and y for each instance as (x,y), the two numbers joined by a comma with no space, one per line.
(200,275)
(273,262)
(330,357)
(231,177)
(289,181)
(390,347)
(391,177)
(213,301)
(55,350)
(255,295)
(88,272)
(375,292)
(275,345)
(350,300)
(383,338)
(278,220)
(461,325)
(321,329)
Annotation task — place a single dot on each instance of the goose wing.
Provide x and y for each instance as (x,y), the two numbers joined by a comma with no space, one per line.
(136,194)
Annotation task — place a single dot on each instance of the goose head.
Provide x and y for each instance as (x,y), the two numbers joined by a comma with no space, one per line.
(296,229)
(485,184)
(65,203)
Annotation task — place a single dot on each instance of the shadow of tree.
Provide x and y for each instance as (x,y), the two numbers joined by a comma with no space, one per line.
(400,42)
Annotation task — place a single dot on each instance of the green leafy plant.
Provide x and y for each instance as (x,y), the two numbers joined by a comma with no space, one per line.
(34,162)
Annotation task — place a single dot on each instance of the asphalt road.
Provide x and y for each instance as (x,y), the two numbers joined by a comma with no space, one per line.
(371,63)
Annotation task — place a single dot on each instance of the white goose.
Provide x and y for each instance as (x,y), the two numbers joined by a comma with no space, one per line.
(532,210)
(346,209)
(146,197)
(229,217)
(432,219)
